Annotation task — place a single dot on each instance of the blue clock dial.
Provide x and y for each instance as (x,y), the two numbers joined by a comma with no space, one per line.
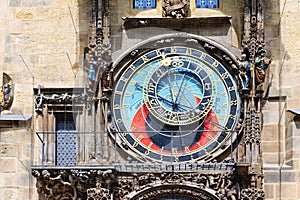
(175,104)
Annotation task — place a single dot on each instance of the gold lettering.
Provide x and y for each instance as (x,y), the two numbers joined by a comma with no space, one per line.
(159,72)
(147,152)
(140,137)
(175,150)
(233,102)
(232,117)
(225,75)
(173,50)
(189,51)
(145,59)
(176,159)
(160,110)
(207,86)
(118,93)
(135,144)
(132,82)
(154,102)
(215,64)
(187,149)
(129,94)
(151,87)
(203,55)
(209,136)
(192,157)
(174,117)
(150,144)
(167,114)
(116,106)
(159,53)
(231,88)
(198,69)
(124,79)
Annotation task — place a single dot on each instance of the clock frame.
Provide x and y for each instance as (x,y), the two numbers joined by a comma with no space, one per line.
(174,102)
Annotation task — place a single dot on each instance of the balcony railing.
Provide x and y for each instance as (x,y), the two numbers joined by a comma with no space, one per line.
(73,149)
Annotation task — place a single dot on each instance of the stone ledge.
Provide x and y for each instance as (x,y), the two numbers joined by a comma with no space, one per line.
(176,23)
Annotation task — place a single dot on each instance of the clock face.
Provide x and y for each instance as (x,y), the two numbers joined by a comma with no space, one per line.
(175,104)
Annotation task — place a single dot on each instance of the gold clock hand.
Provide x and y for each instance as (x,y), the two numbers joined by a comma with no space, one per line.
(181,84)
(179,106)
(222,128)
(166,63)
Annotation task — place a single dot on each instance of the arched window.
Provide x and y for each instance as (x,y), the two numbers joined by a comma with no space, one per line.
(207,3)
(144,4)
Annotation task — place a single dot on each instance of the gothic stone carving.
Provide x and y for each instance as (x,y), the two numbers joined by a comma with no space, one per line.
(176,8)
(6,93)
(73,184)
(40,99)
(98,52)
(186,192)
(98,193)
(261,64)
(253,27)
(255,189)
(139,186)
(94,184)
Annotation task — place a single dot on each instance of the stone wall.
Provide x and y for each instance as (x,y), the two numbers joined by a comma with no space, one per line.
(280,136)
(121,9)
(42,43)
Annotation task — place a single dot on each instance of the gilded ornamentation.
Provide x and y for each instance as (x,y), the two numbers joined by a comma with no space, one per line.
(6,93)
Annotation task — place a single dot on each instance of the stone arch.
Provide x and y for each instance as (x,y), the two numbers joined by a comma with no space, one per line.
(190,192)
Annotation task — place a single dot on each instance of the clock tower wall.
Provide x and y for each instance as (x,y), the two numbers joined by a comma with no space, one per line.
(223,23)
(44,53)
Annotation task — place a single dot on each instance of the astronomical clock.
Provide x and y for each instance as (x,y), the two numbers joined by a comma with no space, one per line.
(173,116)
(174,102)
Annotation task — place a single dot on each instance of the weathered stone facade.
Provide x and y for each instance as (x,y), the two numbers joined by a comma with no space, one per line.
(44,46)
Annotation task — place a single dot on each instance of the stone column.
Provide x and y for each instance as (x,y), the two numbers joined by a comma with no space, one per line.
(51,137)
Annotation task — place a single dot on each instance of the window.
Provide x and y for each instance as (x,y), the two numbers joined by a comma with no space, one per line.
(207,3)
(65,140)
(144,4)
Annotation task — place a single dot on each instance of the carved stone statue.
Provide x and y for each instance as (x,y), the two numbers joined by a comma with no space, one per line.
(244,71)
(5,95)
(176,8)
(261,65)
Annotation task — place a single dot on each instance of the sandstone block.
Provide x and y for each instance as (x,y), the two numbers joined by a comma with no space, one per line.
(8,165)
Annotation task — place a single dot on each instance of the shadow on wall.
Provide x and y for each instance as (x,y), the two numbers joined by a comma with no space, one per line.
(297,121)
